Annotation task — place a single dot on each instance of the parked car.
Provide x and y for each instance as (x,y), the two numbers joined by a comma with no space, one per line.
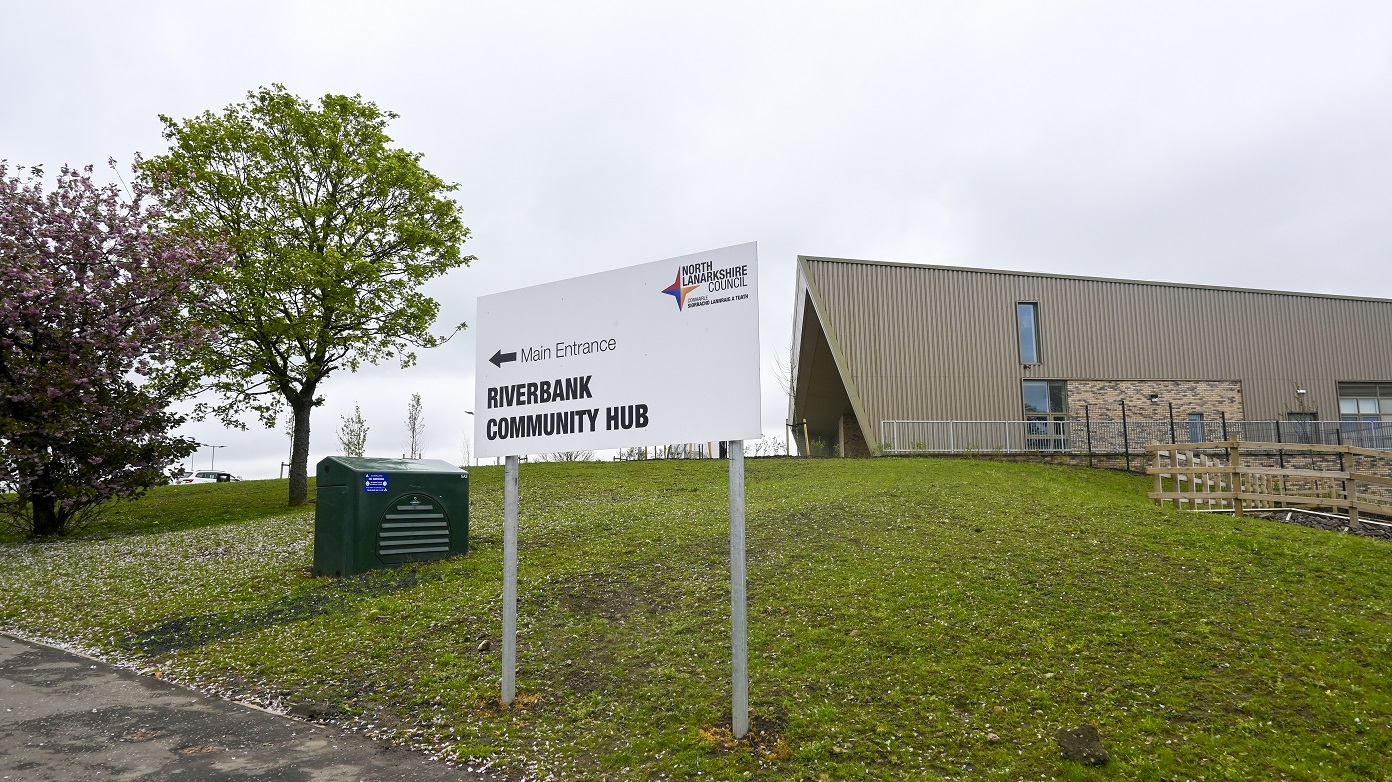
(208,476)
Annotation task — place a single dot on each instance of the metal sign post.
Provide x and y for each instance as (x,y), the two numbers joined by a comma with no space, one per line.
(588,363)
(739,637)
(510,582)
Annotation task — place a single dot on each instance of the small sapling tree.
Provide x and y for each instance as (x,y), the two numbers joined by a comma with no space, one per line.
(352,434)
(94,296)
(415,428)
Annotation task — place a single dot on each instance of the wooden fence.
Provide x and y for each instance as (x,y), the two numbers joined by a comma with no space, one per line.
(1242,476)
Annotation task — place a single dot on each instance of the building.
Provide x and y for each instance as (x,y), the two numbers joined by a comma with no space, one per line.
(891,357)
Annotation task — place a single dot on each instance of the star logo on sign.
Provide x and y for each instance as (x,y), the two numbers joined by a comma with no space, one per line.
(678,291)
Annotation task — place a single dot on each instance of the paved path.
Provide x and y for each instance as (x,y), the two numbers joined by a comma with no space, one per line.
(67,718)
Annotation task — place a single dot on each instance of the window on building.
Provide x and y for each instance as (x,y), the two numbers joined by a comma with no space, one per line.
(1196,428)
(1365,414)
(1027,318)
(1046,415)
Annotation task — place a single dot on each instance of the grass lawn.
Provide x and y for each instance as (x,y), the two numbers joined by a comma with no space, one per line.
(190,505)
(909,619)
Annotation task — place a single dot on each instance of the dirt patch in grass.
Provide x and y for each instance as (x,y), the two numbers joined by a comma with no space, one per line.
(766,739)
(598,594)
(521,703)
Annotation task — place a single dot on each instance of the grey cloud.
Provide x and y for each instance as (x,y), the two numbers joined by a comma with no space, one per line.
(1235,143)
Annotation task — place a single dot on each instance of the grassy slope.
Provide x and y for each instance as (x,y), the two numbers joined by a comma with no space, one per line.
(902,612)
(165,508)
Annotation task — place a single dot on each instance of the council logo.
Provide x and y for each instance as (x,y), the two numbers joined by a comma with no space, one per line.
(715,281)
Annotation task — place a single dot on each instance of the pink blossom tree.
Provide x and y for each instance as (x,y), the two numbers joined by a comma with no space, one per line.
(95,295)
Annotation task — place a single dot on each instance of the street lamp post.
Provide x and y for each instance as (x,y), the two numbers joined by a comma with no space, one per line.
(212,460)
(470,412)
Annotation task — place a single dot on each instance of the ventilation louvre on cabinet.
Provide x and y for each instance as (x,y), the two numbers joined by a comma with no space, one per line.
(413,525)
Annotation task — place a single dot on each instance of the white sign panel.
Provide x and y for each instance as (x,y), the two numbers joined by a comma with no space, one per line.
(657,354)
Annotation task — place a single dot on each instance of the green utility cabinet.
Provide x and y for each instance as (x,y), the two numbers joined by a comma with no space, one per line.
(374,513)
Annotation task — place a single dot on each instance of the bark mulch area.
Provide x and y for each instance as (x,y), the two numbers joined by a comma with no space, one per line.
(1368,529)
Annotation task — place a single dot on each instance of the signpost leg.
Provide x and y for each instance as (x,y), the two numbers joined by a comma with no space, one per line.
(510,582)
(739,639)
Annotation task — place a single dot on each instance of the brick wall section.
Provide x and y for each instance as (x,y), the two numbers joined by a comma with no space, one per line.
(1366,465)
(1371,466)
(1213,398)
(852,439)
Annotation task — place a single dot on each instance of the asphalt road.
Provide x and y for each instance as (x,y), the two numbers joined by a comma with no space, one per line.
(68,718)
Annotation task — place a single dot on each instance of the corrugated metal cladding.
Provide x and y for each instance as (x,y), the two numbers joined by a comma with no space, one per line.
(940,343)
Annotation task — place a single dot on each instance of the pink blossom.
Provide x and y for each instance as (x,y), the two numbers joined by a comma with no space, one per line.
(93,297)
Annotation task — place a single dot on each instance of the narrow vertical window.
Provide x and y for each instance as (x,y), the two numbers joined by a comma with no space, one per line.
(1027,316)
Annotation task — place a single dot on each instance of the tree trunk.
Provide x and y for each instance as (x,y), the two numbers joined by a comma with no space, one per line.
(46,519)
(40,494)
(299,450)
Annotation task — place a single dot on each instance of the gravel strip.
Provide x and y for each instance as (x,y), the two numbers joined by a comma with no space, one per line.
(1331,524)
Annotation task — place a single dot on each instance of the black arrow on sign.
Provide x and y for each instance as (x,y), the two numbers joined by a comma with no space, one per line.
(501,358)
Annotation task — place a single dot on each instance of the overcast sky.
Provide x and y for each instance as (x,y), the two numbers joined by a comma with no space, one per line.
(1242,144)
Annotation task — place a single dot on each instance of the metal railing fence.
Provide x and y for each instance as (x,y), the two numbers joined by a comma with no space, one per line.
(1074,435)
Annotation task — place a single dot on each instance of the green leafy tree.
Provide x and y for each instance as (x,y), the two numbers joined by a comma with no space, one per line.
(332,232)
